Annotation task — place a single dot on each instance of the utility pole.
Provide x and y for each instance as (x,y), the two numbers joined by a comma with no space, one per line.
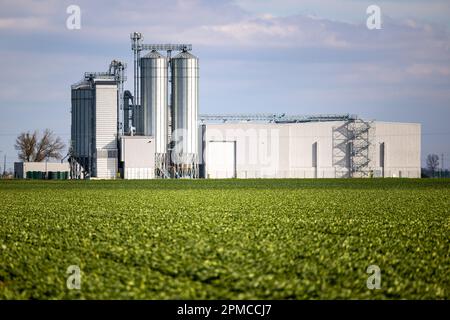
(4,165)
(442,165)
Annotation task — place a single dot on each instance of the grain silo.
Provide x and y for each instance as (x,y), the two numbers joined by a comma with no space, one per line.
(184,108)
(154,97)
(82,128)
(94,129)
(176,132)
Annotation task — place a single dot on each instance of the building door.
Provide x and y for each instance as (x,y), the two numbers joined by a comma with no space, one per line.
(221,160)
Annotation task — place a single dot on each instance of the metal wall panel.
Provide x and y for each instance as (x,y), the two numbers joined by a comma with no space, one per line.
(402,147)
(138,156)
(105,130)
(82,124)
(139,173)
(106,116)
(106,168)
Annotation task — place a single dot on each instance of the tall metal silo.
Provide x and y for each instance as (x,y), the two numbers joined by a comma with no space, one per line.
(184,108)
(154,83)
(82,128)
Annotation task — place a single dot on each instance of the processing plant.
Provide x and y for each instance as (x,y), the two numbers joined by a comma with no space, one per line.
(156,131)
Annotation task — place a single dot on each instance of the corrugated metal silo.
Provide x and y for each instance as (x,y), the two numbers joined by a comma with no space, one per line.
(185,94)
(83,124)
(154,85)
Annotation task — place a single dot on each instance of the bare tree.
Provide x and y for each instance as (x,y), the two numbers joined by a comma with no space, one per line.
(432,163)
(31,147)
(26,145)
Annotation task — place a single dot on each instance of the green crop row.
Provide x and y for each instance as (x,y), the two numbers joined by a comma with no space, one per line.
(225,239)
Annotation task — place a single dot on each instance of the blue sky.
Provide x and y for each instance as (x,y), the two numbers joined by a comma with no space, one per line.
(298,57)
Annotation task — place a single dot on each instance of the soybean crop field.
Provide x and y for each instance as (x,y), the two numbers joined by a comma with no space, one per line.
(225,239)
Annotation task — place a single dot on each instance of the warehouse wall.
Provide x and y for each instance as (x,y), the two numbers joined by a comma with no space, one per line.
(286,150)
(273,150)
(257,149)
(301,140)
(402,149)
(21,168)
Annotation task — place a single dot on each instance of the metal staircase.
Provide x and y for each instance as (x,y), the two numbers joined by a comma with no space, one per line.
(353,148)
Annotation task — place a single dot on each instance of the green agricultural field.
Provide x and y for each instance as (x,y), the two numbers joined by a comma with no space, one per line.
(225,239)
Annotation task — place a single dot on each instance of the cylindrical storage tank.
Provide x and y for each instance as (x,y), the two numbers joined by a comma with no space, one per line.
(83,123)
(154,98)
(185,94)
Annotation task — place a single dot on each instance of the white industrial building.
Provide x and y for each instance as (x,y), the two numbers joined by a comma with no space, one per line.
(157,132)
(311,150)
(41,170)
(137,153)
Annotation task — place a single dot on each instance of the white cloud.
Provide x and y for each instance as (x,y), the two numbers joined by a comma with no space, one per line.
(401,50)
(25,24)
(269,32)
(424,69)
(351,10)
